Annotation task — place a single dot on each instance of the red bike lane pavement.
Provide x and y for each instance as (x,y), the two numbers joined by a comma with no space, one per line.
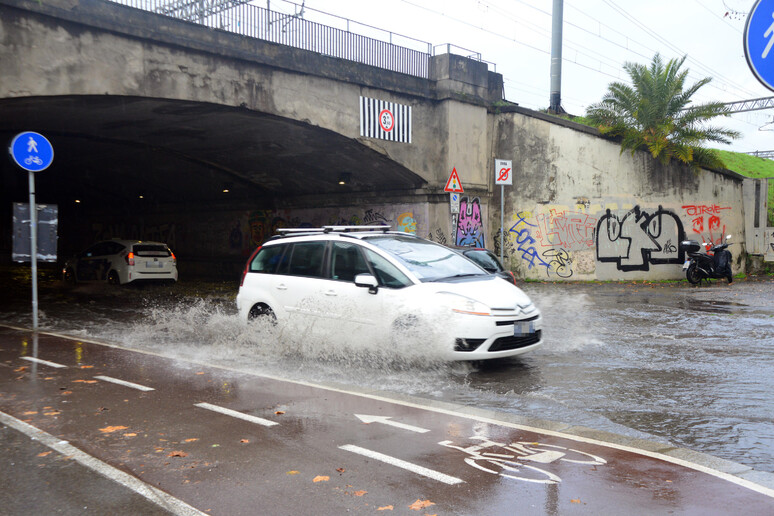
(224,441)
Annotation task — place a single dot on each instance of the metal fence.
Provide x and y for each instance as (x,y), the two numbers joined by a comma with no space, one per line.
(294,31)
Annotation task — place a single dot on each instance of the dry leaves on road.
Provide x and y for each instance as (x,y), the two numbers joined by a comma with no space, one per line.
(385,508)
(111,429)
(420,504)
(321,478)
(177,454)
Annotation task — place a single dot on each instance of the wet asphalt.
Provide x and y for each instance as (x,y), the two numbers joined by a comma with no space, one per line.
(680,366)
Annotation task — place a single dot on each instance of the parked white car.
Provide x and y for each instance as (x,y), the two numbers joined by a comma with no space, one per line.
(368,281)
(122,261)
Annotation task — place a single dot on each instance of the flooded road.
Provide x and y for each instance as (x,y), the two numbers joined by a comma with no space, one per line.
(667,362)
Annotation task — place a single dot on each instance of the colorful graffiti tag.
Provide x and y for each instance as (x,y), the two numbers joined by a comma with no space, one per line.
(636,239)
(569,230)
(706,221)
(468,224)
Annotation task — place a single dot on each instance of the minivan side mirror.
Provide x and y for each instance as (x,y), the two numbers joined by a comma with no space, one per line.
(367,281)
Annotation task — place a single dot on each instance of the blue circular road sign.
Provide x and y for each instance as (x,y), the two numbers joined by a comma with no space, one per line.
(31,151)
(759,41)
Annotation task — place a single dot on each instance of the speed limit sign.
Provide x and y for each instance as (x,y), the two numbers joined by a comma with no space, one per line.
(386,120)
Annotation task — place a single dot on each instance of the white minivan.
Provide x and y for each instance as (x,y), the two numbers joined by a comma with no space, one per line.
(367,281)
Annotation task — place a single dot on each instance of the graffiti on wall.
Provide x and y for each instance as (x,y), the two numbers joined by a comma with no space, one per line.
(706,220)
(572,231)
(406,223)
(555,261)
(468,224)
(636,239)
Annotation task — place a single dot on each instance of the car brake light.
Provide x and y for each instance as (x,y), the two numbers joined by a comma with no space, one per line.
(130,259)
(247,266)
(174,260)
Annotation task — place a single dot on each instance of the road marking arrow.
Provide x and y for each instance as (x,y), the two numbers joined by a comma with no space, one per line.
(385,420)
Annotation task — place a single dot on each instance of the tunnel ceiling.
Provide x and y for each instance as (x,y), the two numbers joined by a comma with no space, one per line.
(111,150)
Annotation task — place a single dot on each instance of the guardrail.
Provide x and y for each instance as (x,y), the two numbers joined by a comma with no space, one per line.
(294,31)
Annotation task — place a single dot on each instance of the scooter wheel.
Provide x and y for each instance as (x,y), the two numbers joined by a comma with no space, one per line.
(693,275)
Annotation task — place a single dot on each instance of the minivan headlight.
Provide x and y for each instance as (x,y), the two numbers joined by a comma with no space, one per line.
(464,305)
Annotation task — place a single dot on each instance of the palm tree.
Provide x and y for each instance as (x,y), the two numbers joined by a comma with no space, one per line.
(656,112)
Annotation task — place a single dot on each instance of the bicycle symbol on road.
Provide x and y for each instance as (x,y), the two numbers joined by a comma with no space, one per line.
(512,465)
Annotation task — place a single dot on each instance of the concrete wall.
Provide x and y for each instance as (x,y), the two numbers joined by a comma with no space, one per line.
(579,209)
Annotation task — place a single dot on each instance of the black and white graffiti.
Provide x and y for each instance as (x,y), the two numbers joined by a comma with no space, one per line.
(635,239)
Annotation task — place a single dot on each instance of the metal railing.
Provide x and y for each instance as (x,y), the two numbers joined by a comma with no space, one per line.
(292,30)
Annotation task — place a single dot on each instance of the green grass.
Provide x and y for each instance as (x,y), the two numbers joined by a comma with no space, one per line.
(751,166)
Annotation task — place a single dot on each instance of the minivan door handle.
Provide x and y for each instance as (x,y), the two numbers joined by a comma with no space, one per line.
(281,286)
(331,293)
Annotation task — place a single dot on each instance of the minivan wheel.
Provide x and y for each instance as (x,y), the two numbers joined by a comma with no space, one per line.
(262,313)
(113,278)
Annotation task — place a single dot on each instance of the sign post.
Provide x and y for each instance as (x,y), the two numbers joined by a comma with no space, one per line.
(759,42)
(32,152)
(503,176)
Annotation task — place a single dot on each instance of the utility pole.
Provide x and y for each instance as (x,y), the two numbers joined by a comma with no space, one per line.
(555,103)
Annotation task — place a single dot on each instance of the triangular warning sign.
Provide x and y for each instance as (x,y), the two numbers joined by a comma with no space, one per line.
(454,184)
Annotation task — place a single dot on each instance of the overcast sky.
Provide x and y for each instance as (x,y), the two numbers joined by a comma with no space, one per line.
(599,36)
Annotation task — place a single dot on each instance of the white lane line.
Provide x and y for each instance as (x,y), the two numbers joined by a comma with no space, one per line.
(419,470)
(160,498)
(44,362)
(234,413)
(124,383)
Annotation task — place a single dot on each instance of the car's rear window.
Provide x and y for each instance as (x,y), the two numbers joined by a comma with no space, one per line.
(151,250)
(267,259)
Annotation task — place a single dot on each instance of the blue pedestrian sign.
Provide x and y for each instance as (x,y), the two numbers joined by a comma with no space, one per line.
(759,41)
(31,151)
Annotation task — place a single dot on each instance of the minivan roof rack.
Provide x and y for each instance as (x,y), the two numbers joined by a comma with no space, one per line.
(333,229)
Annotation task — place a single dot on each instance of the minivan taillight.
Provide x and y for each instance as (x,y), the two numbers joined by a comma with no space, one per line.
(130,259)
(247,266)
(172,255)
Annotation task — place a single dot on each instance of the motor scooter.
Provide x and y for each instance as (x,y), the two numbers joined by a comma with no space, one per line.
(712,264)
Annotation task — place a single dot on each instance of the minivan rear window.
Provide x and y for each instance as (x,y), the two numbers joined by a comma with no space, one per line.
(267,259)
(151,250)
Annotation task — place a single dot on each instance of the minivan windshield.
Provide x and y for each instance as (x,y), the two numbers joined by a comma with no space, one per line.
(427,260)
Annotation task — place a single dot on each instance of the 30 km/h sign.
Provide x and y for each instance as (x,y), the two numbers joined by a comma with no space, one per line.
(759,42)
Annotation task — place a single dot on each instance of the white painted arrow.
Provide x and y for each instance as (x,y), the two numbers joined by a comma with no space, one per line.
(385,420)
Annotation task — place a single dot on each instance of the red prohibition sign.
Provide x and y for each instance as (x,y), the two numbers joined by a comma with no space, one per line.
(503,174)
(386,120)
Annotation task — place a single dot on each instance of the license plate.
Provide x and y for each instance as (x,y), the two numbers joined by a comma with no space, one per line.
(154,265)
(686,264)
(523,328)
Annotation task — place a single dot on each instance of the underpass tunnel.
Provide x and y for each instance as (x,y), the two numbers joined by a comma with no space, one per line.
(191,174)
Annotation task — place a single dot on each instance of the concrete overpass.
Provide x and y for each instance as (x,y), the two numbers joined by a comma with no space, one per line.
(139,104)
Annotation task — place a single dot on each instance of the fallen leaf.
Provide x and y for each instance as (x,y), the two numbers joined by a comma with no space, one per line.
(109,429)
(20,369)
(341,470)
(30,413)
(360,493)
(420,504)
(87,366)
(67,392)
(43,454)
(84,381)
(200,372)
(280,412)
(215,445)
(191,440)
(577,500)
(385,508)
(244,441)
(52,413)
(48,378)
(321,478)
(294,472)
(130,435)
(177,454)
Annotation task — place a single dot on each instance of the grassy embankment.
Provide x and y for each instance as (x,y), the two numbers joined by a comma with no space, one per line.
(751,166)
